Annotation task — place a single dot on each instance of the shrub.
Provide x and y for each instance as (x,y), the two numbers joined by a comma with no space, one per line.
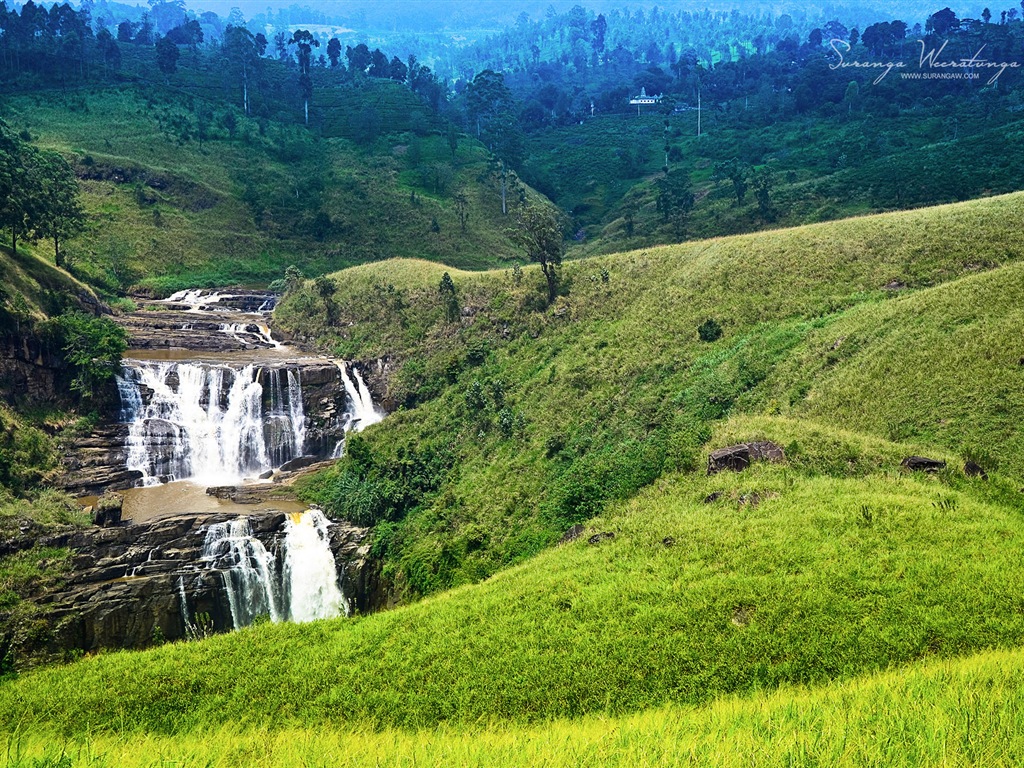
(709,330)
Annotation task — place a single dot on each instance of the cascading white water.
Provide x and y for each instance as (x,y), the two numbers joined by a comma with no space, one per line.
(310,573)
(250,577)
(304,587)
(285,422)
(207,422)
(361,411)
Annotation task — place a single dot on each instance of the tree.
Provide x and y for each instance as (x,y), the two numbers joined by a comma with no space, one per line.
(461,208)
(398,71)
(305,42)
(358,58)
(19,187)
(449,298)
(92,347)
(492,108)
(541,238)
(941,23)
(334,51)
(738,173)
(166,56)
(240,49)
(326,289)
(59,213)
(108,50)
(763,181)
(380,67)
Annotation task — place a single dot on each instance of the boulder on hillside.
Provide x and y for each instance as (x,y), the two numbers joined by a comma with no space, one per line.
(972,469)
(923,464)
(572,534)
(736,458)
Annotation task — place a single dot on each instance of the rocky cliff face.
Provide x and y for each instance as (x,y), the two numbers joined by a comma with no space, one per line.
(128,583)
(29,370)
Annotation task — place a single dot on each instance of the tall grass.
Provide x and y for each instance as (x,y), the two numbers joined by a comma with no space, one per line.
(780,578)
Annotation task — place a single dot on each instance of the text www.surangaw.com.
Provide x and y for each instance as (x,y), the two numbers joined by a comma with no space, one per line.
(940,75)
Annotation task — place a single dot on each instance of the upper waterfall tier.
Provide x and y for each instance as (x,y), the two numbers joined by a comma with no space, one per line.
(212,423)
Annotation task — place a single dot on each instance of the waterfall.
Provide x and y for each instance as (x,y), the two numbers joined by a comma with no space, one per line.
(361,411)
(311,575)
(207,422)
(249,571)
(304,587)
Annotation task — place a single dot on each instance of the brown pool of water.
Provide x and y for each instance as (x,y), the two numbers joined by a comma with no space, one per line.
(183,497)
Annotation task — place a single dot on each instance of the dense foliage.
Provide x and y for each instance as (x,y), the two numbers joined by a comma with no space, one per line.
(38,193)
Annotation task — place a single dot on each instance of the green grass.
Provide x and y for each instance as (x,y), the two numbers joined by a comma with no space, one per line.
(936,713)
(612,386)
(827,577)
(941,366)
(168,211)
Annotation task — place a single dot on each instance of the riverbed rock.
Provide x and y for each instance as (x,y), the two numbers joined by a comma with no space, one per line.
(107,511)
(126,583)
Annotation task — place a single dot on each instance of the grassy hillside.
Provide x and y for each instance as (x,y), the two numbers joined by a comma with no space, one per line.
(32,288)
(836,569)
(516,422)
(962,712)
(604,171)
(175,198)
(832,608)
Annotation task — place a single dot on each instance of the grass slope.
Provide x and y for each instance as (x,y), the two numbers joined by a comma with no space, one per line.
(170,210)
(958,712)
(531,420)
(842,566)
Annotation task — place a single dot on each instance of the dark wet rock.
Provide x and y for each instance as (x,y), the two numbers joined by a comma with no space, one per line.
(971,469)
(597,538)
(737,458)
(572,534)
(300,463)
(125,584)
(258,493)
(107,511)
(923,464)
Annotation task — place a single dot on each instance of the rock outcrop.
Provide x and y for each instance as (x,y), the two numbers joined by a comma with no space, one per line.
(127,584)
(737,458)
(923,464)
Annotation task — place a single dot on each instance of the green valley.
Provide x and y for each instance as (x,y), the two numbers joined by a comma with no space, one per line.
(548,386)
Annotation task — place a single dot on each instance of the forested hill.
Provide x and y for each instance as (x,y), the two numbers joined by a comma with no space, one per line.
(258,143)
(201,164)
